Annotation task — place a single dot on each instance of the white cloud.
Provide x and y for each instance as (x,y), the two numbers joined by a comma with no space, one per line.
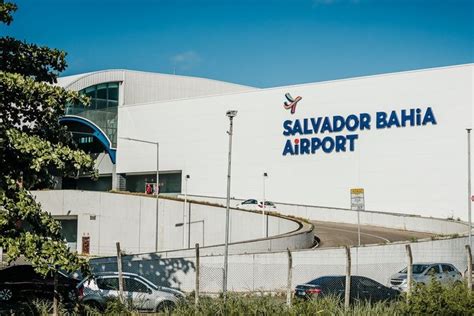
(186,60)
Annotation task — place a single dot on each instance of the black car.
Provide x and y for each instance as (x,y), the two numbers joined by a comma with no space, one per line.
(22,282)
(362,288)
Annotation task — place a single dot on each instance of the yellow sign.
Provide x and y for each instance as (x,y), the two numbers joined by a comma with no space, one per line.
(357,191)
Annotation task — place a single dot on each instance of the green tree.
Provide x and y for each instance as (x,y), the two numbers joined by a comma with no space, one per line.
(34,149)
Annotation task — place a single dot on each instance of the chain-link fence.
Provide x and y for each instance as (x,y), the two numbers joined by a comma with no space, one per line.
(376,271)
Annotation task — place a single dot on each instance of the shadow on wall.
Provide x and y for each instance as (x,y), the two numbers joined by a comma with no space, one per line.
(162,272)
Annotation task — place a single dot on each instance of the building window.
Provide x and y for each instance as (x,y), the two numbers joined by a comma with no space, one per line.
(169,182)
(69,231)
(86,140)
(102,110)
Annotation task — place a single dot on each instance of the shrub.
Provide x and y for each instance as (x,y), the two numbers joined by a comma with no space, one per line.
(433,299)
(436,299)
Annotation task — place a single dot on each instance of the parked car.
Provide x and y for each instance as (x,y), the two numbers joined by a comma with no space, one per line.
(255,205)
(139,292)
(22,282)
(423,273)
(362,288)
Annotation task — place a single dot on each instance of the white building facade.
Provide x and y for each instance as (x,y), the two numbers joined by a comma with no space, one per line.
(401,137)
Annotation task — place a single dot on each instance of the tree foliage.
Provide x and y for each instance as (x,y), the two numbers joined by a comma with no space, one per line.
(34,149)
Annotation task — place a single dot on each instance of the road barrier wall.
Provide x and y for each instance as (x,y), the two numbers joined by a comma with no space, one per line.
(373,218)
(106,218)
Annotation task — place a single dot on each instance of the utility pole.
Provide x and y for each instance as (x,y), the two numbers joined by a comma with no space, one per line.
(184,212)
(469,201)
(157,194)
(119,268)
(230,115)
(264,228)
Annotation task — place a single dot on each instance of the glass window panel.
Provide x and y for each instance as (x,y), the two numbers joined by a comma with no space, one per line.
(91,106)
(113,93)
(112,104)
(102,91)
(108,284)
(368,282)
(69,229)
(101,104)
(132,285)
(90,92)
(103,108)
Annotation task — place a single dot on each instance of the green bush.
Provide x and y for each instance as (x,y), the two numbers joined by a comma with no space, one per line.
(436,299)
(433,299)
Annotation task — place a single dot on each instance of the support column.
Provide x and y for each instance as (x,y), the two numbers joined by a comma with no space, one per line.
(119,181)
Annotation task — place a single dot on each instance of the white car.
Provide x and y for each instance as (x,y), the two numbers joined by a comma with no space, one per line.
(424,273)
(255,205)
(137,291)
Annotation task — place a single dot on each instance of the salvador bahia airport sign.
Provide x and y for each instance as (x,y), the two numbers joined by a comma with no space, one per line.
(306,136)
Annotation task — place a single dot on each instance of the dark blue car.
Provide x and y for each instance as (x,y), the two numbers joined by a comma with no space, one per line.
(362,288)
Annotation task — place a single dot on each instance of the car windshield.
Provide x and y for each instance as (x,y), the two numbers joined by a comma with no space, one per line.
(417,268)
(250,202)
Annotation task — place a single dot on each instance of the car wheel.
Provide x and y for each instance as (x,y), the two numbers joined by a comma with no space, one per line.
(71,295)
(165,306)
(6,294)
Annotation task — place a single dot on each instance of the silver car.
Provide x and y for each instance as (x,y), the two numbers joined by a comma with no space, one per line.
(255,205)
(139,292)
(423,273)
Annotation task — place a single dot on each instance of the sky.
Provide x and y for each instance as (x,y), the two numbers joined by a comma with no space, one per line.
(258,43)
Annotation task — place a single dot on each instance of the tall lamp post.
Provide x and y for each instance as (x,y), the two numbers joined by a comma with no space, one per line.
(264,228)
(469,201)
(230,114)
(186,178)
(157,189)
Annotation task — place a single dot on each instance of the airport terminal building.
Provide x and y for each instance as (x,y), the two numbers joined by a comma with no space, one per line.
(401,137)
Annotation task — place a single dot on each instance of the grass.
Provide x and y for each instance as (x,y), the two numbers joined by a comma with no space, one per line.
(425,300)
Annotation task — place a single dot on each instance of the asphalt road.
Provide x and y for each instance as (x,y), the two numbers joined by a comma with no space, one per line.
(337,234)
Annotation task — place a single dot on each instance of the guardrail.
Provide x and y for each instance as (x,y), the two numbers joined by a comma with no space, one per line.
(373,218)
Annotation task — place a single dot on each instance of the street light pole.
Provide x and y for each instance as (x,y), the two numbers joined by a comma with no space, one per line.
(469,201)
(230,115)
(265,175)
(184,210)
(157,193)
(157,188)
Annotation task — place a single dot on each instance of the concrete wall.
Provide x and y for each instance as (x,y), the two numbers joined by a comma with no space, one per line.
(268,271)
(373,218)
(108,217)
(413,169)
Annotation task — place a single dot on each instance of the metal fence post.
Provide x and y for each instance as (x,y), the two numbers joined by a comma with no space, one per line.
(196,297)
(119,268)
(469,267)
(289,280)
(409,270)
(347,294)
(55,293)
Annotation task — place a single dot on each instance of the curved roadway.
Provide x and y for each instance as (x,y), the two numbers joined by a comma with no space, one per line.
(338,234)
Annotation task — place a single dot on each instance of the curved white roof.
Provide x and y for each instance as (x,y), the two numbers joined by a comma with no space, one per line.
(143,87)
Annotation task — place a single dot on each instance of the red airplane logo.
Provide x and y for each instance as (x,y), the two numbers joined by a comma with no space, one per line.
(291,103)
